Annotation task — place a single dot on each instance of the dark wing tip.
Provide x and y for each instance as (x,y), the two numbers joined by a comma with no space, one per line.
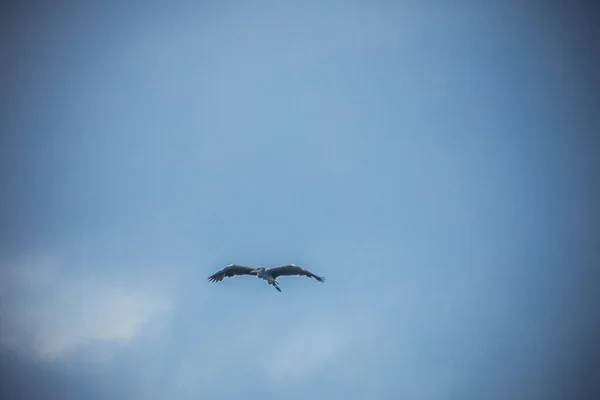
(215,278)
(231,270)
(310,274)
(220,275)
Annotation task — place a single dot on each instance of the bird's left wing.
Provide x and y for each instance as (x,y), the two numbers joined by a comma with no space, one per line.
(232,270)
(292,269)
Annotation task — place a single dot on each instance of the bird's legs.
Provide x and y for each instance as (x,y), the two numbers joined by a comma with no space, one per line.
(275,285)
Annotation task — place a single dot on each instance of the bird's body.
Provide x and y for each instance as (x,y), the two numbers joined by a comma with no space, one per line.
(268,274)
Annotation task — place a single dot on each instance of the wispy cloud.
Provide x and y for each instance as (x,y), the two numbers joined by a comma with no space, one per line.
(52,314)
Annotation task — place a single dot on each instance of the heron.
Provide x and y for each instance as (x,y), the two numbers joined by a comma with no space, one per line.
(268,274)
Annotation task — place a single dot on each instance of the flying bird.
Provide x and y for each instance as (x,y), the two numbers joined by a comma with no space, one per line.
(268,274)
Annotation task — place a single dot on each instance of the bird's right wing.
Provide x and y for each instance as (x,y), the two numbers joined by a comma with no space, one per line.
(292,269)
(232,270)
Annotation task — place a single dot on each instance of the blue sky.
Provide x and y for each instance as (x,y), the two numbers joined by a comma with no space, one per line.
(432,162)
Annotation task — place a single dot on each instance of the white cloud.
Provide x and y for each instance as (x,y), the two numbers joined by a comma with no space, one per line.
(52,313)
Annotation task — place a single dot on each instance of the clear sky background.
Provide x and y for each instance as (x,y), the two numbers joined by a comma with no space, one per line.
(435,163)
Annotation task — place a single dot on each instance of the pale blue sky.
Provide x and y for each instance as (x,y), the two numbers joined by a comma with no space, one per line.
(432,162)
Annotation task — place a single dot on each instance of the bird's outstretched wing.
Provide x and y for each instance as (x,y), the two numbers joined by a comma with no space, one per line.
(291,269)
(232,270)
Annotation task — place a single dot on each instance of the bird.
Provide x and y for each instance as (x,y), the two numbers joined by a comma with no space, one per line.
(268,274)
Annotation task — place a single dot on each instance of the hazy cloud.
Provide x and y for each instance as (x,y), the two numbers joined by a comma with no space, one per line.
(55,313)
